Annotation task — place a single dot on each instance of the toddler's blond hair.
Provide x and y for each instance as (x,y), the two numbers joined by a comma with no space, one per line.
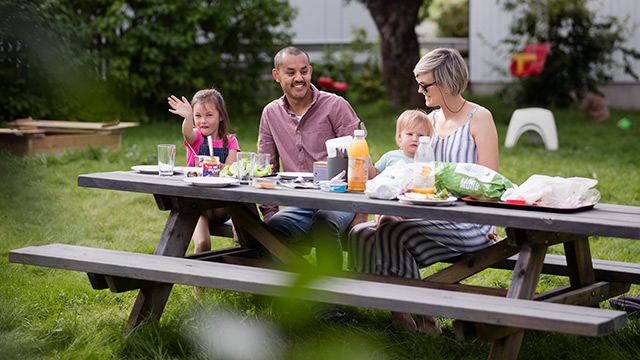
(410,119)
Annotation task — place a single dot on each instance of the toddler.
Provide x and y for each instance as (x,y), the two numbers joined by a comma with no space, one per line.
(411,124)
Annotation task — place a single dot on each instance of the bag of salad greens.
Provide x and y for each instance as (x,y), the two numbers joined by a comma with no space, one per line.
(472,180)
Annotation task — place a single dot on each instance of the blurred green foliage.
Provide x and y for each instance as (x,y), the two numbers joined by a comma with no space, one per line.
(452,17)
(583,54)
(363,74)
(104,60)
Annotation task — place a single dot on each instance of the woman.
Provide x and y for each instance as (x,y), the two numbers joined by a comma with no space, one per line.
(463,132)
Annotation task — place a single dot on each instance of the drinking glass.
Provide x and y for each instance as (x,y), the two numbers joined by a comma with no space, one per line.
(166,159)
(245,163)
(262,161)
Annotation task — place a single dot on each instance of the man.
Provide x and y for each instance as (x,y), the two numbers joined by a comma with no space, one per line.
(293,130)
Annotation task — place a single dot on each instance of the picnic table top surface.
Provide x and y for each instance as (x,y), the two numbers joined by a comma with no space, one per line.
(612,220)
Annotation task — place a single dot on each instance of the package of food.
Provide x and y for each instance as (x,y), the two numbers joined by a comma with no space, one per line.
(393,181)
(556,192)
(472,180)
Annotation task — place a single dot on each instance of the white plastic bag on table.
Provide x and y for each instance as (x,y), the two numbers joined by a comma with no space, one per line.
(393,181)
(555,191)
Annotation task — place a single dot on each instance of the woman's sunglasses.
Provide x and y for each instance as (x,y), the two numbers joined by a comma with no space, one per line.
(425,86)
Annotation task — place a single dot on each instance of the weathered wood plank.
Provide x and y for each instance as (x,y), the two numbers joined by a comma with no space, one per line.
(119,284)
(247,238)
(250,222)
(588,296)
(604,270)
(526,275)
(223,230)
(61,124)
(174,242)
(602,220)
(451,304)
(579,265)
(472,264)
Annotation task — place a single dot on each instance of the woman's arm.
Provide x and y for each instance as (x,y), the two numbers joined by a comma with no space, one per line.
(484,132)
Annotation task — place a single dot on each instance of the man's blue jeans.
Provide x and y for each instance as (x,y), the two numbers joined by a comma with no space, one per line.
(325,227)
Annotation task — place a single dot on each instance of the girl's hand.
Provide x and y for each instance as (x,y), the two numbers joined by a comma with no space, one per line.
(180,107)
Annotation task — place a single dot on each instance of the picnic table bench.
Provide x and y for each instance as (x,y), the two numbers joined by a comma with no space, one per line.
(496,315)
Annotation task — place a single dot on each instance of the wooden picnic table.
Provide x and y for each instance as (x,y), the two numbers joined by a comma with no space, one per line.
(493,315)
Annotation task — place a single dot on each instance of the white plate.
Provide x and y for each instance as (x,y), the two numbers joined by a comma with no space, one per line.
(210,181)
(294,175)
(449,201)
(153,169)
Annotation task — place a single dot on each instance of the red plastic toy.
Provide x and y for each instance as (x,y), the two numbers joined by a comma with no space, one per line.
(530,61)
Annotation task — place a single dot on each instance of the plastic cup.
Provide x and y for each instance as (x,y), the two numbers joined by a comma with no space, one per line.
(166,159)
(245,163)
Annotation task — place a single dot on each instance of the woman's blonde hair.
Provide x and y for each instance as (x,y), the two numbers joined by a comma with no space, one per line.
(411,119)
(213,97)
(448,68)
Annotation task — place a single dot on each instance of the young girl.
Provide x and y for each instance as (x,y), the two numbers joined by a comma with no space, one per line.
(411,124)
(208,113)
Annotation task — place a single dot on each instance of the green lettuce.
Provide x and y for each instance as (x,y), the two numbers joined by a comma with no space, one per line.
(258,171)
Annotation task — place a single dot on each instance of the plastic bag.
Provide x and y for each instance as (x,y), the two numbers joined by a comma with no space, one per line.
(393,181)
(472,180)
(555,191)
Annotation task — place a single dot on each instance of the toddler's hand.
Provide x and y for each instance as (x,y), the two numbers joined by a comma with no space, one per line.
(180,106)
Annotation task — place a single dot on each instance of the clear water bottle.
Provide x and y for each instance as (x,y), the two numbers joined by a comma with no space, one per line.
(423,162)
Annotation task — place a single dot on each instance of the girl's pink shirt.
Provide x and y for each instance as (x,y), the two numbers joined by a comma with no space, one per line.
(191,157)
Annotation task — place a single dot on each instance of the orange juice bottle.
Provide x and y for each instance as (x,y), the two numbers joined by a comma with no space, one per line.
(358,170)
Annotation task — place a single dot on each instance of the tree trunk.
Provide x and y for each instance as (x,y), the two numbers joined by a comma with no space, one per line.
(396,21)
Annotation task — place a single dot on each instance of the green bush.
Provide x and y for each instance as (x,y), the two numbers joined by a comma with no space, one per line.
(582,50)
(452,17)
(364,78)
(109,60)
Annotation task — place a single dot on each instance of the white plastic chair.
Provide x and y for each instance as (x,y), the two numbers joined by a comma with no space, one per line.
(532,119)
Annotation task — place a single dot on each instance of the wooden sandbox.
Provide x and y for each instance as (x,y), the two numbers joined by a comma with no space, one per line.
(31,137)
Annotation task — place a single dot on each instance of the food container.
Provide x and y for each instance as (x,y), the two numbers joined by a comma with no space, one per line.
(211,166)
(199,160)
(333,187)
(264,182)
(319,171)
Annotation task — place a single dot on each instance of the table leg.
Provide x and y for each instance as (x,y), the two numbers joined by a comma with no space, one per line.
(173,242)
(526,275)
(245,219)
(579,262)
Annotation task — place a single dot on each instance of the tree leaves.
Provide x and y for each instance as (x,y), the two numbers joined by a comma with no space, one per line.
(582,55)
(105,60)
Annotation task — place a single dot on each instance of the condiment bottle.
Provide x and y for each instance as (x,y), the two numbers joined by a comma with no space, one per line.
(358,170)
(423,177)
(211,166)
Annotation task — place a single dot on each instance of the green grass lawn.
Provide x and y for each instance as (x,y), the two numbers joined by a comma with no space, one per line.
(55,314)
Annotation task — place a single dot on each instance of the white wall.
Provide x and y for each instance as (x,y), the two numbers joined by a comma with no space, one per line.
(323,25)
(330,21)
